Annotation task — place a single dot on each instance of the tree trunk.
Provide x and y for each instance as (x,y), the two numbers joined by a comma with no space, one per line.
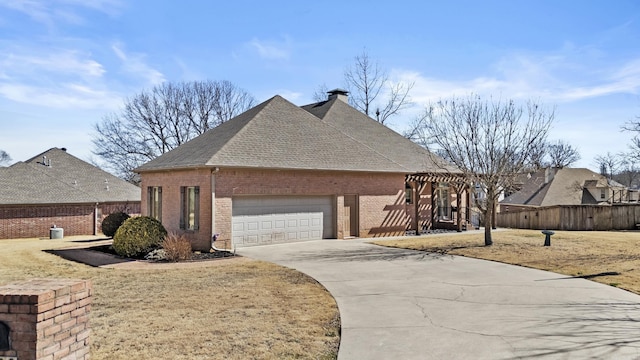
(459,212)
(494,210)
(488,223)
(487,236)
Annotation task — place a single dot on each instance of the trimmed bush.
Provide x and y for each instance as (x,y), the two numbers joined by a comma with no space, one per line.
(138,235)
(112,222)
(177,247)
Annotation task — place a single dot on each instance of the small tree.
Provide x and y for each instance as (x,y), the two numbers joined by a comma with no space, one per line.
(367,82)
(562,154)
(488,142)
(608,164)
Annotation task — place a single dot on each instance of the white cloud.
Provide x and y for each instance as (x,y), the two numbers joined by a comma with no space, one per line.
(549,78)
(63,97)
(135,65)
(56,78)
(55,61)
(292,96)
(272,50)
(51,12)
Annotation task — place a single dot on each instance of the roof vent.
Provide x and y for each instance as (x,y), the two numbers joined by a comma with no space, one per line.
(63,149)
(340,94)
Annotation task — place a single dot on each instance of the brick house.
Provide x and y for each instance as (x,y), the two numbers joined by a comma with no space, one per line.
(55,187)
(280,173)
(564,186)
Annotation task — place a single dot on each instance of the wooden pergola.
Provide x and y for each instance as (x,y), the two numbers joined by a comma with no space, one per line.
(456,181)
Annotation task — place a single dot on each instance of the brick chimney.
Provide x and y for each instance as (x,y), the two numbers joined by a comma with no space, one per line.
(549,174)
(340,94)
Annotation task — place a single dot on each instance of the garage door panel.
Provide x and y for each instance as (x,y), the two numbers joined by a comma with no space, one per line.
(251,239)
(281,219)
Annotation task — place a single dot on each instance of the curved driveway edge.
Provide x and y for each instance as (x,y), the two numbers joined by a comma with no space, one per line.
(405,304)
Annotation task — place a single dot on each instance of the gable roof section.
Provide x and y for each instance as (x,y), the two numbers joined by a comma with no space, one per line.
(378,137)
(68,180)
(280,135)
(532,192)
(566,188)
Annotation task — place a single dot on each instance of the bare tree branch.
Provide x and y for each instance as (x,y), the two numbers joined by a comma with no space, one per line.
(562,154)
(608,164)
(488,141)
(158,120)
(320,94)
(366,82)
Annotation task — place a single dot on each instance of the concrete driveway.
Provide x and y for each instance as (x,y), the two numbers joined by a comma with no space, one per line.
(403,304)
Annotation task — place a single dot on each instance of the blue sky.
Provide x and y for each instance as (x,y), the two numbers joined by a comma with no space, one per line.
(64,64)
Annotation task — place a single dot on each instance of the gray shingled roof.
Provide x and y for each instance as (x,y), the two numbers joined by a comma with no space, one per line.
(67,180)
(566,188)
(278,134)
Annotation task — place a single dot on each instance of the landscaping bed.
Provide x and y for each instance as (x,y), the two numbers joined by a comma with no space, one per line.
(196,255)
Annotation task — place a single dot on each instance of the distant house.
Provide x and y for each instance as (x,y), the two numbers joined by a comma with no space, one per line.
(279,173)
(565,186)
(56,188)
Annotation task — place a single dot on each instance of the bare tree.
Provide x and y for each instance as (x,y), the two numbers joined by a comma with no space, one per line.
(158,120)
(416,132)
(367,83)
(537,154)
(488,142)
(562,154)
(321,93)
(4,158)
(608,164)
(628,173)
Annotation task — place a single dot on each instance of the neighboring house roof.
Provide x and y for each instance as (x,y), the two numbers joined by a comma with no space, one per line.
(57,177)
(567,186)
(329,135)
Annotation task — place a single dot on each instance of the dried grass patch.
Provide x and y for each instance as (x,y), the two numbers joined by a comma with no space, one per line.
(608,257)
(233,310)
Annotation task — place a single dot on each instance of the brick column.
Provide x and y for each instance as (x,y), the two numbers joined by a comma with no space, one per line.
(48,319)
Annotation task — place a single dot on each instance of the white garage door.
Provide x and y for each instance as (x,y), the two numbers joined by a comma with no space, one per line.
(259,220)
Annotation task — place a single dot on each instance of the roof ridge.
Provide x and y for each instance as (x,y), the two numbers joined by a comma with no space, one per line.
(356,140)
(260,110)
(58,180)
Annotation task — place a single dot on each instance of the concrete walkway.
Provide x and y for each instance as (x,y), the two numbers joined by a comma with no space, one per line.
(403,304)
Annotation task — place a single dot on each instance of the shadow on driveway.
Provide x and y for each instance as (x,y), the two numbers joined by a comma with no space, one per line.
(377,253)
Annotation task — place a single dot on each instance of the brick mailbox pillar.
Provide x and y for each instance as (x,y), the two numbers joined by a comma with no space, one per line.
(45,319)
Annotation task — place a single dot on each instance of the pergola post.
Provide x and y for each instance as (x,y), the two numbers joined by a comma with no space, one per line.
(456,181)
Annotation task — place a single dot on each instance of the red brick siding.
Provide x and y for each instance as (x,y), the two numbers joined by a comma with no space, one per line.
(47,318)
(25,221)
(380,196)
(382,210)
(171,183)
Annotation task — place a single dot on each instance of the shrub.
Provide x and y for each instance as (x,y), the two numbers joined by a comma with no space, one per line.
(138,235)
(177,248)
(112,222)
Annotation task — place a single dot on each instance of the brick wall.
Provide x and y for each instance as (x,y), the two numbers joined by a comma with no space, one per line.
(171,183)
(26,221)
(382,211)
(48,319)
(381,207)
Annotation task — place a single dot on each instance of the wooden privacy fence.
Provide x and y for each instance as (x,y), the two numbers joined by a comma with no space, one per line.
(574,217)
